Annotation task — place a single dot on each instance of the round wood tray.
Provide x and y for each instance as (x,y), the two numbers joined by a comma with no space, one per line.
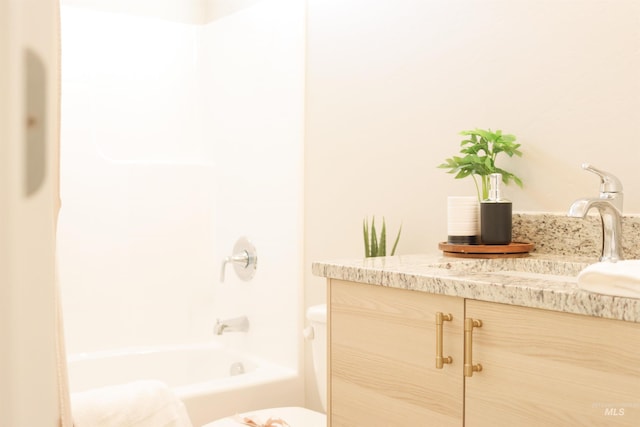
(512,250)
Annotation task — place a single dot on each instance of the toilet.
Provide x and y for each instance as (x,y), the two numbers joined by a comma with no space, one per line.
(297,416)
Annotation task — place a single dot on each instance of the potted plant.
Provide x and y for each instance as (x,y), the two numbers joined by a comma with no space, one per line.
(480,149)
(375,246)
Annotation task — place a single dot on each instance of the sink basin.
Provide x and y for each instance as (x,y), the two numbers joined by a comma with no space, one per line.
(532,268)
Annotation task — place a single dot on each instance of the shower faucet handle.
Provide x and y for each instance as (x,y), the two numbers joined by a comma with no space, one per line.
(244,260)
(239,259)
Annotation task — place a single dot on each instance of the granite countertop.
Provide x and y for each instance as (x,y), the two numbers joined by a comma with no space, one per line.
(540,281)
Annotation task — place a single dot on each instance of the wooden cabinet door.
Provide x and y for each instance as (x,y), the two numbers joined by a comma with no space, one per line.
(544,368)
(382,358)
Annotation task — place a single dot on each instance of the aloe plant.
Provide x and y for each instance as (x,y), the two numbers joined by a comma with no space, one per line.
(375,246)
(480,150)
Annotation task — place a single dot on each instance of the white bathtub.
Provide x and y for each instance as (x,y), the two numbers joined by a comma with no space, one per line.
(201,375)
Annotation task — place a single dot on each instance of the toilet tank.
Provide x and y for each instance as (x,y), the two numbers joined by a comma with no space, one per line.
(317,333)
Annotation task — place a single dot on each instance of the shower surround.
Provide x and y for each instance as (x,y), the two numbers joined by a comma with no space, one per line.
(176,140)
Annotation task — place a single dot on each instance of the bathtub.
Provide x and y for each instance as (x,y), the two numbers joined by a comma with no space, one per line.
(213,381)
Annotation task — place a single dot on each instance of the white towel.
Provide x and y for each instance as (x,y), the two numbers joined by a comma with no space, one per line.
(137,404)
(620,278)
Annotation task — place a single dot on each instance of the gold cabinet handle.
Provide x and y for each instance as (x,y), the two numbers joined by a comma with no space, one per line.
(469,367)
(440,319)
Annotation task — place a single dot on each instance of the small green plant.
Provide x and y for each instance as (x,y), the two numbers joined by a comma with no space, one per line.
(480,150)
(374,246)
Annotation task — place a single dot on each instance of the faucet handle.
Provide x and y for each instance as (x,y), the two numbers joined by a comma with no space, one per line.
(608,182)
(244,260)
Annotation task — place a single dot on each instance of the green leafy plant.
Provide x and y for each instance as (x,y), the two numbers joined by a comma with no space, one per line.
(480,149)
(374,246)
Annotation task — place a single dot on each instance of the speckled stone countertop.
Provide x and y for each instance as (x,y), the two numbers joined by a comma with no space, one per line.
(563,247)
(545,281)
(560,235)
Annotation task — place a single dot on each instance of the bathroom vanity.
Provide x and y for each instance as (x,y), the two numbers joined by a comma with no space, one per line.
(437,341)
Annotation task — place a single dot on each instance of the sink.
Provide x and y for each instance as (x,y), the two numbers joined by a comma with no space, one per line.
(530,268)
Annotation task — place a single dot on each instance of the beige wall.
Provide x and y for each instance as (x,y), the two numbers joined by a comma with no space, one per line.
(390,84)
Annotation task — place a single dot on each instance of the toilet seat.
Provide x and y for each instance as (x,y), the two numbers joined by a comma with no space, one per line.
(295,416)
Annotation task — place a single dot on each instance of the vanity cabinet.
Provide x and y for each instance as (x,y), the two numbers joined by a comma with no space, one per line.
(382,345)
(549,368)
(538,367)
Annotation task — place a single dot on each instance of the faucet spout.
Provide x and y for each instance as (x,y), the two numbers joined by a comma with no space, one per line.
(581,207)
(611,219)
(609,205)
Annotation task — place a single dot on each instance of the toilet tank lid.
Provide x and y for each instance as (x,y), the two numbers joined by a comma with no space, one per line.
(317,313)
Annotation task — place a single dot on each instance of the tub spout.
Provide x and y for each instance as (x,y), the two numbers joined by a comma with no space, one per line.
(237,324)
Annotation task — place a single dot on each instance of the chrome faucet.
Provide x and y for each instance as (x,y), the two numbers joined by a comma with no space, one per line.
(237,324)
(609,205)
(244,260)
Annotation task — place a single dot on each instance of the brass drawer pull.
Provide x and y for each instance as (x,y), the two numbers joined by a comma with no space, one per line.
(440,319)
(469,367)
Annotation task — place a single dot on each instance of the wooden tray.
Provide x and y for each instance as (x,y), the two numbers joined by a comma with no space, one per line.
(512,250)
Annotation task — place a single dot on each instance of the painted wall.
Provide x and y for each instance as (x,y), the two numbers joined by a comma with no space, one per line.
(391,83)
(177,139)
